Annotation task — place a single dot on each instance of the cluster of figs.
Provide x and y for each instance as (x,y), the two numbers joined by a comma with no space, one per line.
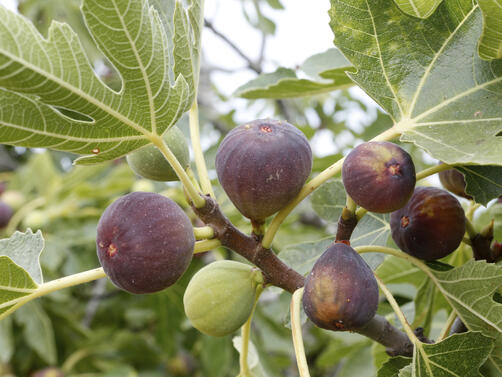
(145,241)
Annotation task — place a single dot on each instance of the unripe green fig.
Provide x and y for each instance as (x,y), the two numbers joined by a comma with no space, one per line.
(379,176)
(262,165)
(145,242)
(454,181)
(220,297)
(150,163)
(341,292)
(430,226)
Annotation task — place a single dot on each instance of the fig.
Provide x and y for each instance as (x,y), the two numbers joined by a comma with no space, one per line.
(379,176)
(220,297)
(262,165)
(6,213)
(430,226)
(341,292)
(144,242)
(454,181)
(150,163)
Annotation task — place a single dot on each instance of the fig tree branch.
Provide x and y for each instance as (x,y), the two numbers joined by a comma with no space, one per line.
(274,270)
(255,66)
(279,274)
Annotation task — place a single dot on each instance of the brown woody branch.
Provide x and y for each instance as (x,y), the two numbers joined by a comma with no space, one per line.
(279,274)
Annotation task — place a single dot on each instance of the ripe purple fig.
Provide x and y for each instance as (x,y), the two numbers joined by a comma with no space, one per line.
(6,213)
(145,242)
(341,292)
(379,176)
(430,226)
(454,181)
(262,166)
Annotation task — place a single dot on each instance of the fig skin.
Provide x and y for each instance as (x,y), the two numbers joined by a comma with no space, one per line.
(454,182)
(341,292)
(144,242)
(6,213)
(262,165)
(149,162)
(379,176)
(430,226)
(220,297)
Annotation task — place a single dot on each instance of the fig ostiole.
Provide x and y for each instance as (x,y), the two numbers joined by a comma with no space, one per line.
(220,297)
(144,242)
(341,292)
(262,165)
(379,176)
(430,226)
(149,162)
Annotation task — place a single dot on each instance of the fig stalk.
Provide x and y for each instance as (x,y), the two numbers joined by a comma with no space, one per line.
(200,162)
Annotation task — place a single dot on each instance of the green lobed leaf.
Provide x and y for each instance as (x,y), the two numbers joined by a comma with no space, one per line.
(427,75)
(496,211)
(418,8)
(396,270)
(38,75)
(24,250)
(469,289)
(457,355)
(483,183)
(328,200)
(327,68)
(428,301)
(15,283)
(302,256)
(490,44)
(38,331)
(392,367)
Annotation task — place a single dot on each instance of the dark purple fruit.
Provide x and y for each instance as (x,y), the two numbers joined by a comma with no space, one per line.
(430,226)
(6,213)
(341,292)
(379,176)
(145,242)
(262,166)
(454,181)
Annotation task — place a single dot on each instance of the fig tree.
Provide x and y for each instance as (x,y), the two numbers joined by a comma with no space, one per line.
(341,292)
(220,297)
(150,163)
(379,176)
(144,242)
(454,181)
(430,226)
(6,213)
(262,165)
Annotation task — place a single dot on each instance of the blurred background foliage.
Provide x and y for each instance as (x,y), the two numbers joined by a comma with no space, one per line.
(98,330)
